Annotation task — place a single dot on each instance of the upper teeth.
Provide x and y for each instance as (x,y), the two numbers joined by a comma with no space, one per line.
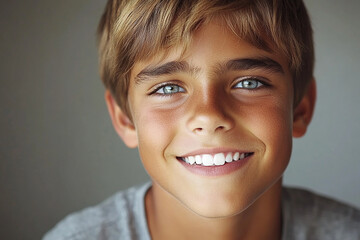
(217,159)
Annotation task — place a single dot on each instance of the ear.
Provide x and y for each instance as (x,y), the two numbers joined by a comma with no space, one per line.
(121,122)
(304,111)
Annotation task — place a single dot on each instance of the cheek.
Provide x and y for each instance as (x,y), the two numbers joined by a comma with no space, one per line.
(271,123)
(276,127)
(275,130)
(155,129)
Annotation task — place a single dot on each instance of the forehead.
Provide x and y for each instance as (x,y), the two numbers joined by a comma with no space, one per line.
(213,45)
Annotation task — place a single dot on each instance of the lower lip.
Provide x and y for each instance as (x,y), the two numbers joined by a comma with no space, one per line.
(215,170)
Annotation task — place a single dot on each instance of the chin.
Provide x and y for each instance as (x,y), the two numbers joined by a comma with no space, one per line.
(222,212)
(218,208)
(218,204)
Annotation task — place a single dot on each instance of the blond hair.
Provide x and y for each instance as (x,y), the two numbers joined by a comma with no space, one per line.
(134,30)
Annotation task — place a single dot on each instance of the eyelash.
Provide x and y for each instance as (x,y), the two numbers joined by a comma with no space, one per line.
(244,79)
(162,86)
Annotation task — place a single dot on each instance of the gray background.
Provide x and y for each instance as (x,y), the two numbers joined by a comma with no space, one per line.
(59,152)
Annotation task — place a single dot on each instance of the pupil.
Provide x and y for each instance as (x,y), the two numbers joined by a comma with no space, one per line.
(170,89)
(250,84)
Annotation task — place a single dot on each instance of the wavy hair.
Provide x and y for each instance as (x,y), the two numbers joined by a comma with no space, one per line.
(133,30)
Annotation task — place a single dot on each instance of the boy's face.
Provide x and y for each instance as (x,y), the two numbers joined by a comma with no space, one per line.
(224,96)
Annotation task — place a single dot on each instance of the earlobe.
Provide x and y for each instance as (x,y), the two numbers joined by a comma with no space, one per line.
(121,122)
(304,111)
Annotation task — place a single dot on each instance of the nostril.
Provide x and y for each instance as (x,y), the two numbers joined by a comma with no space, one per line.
(220,128)
(201,130)
(209,123)
(198,129)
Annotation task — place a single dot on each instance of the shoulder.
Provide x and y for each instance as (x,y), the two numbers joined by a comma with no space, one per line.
(318,217)
(115,218)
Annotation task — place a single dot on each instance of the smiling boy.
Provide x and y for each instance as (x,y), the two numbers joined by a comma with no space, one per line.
(211,93)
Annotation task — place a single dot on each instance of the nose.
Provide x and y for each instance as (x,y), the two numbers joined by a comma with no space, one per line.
(209,116)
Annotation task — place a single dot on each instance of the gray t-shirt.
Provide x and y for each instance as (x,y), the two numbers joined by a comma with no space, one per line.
(122,216)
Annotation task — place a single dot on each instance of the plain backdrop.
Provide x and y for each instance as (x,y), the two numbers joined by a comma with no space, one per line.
(59,152)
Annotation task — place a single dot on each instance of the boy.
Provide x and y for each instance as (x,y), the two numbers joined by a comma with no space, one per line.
(211,93)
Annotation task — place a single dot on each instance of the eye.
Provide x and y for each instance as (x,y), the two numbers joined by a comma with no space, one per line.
(249,83)
(168,89)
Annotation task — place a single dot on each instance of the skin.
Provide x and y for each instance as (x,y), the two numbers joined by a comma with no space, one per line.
(212,112)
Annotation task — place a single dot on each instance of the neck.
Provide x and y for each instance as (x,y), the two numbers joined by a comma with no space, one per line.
(169,219)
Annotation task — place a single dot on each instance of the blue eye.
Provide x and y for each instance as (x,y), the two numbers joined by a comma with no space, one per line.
(169,89)
(249,84)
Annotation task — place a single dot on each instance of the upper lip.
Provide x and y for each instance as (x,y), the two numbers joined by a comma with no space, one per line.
(213,151)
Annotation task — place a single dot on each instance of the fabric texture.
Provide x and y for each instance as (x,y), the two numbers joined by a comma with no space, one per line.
(122,216)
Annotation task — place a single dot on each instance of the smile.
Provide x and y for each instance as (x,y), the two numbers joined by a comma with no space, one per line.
(217,159)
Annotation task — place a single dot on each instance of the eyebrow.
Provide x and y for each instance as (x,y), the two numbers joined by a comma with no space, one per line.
(165,69)
(254,63)
(239,64)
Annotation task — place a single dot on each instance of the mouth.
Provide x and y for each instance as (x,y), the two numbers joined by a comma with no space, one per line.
(217,159)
